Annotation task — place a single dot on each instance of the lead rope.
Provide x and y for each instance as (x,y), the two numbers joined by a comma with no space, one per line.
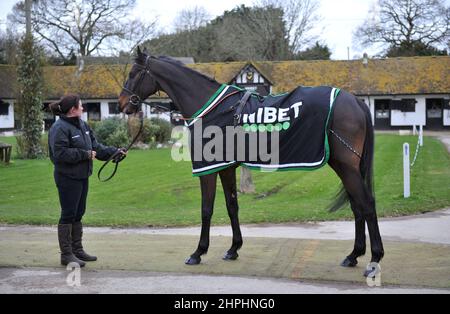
(417,151)
(345,144)
(117,157)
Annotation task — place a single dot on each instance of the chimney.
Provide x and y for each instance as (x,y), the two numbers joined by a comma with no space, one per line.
(365,59)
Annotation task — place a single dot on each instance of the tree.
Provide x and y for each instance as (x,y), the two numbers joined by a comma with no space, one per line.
(8,47)
(251,34)
(240,34)
(191,19)
(414,49)
(317,52)
(83,27)
(29,100)
(406,26)
(300,18)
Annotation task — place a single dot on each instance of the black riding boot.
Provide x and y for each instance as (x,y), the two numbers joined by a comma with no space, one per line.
(77,246)
(65,245)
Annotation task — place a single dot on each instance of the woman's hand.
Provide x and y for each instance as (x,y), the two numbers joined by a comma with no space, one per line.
(92,154)
(123,151)
(120,155)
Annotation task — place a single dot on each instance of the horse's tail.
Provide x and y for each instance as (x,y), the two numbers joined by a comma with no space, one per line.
(366,164)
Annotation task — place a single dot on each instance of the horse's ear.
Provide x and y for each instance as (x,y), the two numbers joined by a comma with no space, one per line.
(139,51)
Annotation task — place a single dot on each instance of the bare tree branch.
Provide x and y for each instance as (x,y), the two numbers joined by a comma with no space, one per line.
(406,23)
(191,18)
(300,18)
(82,26)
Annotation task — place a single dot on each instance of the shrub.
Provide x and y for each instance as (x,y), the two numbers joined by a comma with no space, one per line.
(111,132)
(154,130)
(164,132)
(22,148)
(149,133)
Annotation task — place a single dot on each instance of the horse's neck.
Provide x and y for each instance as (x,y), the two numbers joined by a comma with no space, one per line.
(187,90)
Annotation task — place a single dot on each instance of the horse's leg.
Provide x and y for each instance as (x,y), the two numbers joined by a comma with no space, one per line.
(228,178)
(354,185)
(359,248)
(208,190)
(351,120)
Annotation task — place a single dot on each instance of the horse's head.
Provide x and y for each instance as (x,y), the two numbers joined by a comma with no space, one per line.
(139,85)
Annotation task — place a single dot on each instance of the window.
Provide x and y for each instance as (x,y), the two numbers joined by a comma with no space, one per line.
(382,108)
(93,110)
(4,108)
(447,104)
(404,105)
(48,115)
(434,108)
(114,108)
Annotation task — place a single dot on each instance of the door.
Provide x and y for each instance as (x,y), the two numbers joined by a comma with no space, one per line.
(435,114)
(93,111)
(382,114)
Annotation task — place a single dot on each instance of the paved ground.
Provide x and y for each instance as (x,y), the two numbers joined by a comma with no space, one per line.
(432,227)
(291,258)
(44,280)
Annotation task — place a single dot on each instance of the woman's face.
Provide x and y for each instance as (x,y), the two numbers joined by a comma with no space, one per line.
(76,111)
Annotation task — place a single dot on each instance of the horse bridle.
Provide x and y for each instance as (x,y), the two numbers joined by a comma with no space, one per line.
(134,100)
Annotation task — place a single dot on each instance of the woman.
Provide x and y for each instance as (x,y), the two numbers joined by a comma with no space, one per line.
(72,148)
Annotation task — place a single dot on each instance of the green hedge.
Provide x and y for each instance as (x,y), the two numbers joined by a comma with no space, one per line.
(119,132)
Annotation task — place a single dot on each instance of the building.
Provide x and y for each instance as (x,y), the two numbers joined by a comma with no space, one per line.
(400,92)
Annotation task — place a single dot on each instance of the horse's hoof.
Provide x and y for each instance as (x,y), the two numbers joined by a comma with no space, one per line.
(348,262)
(193,260)
(230,256)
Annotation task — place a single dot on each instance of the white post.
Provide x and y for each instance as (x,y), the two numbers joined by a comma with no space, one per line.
(406,179)
(414,129)
(421,135)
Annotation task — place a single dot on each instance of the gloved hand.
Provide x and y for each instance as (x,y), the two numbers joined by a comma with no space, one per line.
(121,153)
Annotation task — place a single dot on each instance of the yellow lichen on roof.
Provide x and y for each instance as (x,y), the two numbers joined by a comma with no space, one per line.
(93,82)
(417,75)
(222,72)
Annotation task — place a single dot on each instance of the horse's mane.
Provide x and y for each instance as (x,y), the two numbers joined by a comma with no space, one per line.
(179,65)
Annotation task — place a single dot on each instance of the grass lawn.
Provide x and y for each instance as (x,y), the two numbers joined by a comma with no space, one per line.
(151,189)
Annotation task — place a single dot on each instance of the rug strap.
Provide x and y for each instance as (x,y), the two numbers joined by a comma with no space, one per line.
(240,107)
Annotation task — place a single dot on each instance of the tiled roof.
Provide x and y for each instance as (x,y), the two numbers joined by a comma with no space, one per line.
(416,75)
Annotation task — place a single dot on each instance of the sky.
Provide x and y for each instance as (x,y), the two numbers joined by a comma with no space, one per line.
(339,18)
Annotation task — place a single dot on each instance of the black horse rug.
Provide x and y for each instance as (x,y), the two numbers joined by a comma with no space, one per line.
(272,133)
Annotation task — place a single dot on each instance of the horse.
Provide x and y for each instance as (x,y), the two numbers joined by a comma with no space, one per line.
(351,151)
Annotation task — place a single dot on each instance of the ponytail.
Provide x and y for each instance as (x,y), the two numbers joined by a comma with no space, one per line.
(55,107)
(62,106)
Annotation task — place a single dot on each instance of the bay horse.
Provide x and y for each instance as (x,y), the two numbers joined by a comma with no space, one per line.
(351,120)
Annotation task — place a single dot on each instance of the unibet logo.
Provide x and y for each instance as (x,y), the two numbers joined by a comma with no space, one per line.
(266,127)
(271,115)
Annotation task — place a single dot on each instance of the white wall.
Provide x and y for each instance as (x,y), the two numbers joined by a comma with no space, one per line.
(7,121)
(104,109)
(147,111)
(447,117)
(399,118)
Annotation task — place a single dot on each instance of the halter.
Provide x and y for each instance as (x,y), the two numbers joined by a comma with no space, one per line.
(134,99)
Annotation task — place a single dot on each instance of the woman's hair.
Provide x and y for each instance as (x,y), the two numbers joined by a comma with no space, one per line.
(62,106)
